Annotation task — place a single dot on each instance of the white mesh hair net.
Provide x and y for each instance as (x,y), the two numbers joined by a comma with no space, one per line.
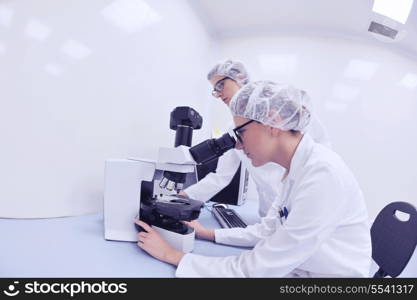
(276,105)
(232,69)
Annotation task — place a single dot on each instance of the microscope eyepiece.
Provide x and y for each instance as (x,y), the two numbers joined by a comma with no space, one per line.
(212,148)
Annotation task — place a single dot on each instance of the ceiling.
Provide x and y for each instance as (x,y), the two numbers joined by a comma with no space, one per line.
(348,18)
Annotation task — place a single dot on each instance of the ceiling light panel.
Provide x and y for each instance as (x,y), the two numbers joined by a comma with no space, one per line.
(345,92)
(130,15)
(75,49)
(35,29)
(278,63)
(53,69)
(6,15)
(361,69)
(397,10)
(409,81)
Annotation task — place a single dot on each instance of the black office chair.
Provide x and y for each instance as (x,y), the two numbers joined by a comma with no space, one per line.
(393,240)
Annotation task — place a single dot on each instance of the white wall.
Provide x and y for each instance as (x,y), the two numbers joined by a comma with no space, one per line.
(362,96)
(82,81)
(79,87)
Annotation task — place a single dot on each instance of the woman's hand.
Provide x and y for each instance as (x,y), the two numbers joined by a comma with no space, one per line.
(201,231)
(182,193)
(153,243)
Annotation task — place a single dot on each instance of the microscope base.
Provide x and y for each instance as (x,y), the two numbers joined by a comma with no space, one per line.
(182,242)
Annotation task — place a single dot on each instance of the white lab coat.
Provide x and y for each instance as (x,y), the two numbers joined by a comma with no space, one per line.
(326,232)
(266,177)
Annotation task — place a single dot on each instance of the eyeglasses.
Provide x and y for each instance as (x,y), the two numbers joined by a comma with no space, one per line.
(238,130)
(218,87)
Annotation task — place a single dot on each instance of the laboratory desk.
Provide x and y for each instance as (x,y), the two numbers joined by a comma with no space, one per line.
(75,247)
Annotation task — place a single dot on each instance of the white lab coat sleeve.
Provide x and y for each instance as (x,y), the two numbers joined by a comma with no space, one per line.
(213,183)
(316,207)
(252,234)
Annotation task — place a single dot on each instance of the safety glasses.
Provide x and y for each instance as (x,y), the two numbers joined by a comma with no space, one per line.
(218,87)
(238,130)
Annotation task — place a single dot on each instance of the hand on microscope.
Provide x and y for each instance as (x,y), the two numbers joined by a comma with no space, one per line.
(182,193)
(153,243)
(201,232)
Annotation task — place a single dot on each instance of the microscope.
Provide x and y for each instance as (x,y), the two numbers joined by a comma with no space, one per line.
(149,189)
